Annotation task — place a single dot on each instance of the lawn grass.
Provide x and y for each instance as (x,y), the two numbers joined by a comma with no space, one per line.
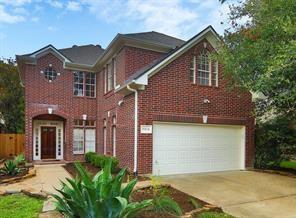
(214,215)
(288,164)
(19,206)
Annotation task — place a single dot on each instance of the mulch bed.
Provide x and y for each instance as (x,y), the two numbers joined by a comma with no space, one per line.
(93,170)
(180,197)
(24,171)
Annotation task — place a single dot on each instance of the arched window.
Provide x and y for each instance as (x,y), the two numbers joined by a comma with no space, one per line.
(50,73)
(204,70)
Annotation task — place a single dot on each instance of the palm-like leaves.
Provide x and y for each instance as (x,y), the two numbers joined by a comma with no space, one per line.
(10,168)
(100,196)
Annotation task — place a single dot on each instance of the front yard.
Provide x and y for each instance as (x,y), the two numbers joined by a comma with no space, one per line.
(19,206)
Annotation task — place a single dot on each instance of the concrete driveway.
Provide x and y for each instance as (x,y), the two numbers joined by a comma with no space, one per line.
(242,193)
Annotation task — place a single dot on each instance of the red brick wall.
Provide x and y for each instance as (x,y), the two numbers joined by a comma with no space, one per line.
(134,59)
(40,94)
(170,96)
(128,61)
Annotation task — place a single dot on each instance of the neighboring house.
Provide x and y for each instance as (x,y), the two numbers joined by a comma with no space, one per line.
(156,102)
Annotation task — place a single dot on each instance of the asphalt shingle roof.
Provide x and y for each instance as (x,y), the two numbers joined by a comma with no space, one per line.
(86,54)
(156,37)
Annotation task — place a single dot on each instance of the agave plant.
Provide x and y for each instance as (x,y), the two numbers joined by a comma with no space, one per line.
(100,196)
(10,168)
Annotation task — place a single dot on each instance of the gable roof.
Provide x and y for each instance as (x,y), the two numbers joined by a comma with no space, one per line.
(156,37)
(85,54)
(141,76)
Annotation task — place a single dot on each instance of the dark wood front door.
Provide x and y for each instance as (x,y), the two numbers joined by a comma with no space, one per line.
(48,142)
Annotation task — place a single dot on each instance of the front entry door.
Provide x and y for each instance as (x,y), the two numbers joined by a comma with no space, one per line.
(48,142)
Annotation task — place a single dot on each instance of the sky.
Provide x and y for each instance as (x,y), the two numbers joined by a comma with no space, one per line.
(28,25)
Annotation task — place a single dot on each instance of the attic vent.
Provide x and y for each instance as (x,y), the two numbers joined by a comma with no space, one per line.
(74,46)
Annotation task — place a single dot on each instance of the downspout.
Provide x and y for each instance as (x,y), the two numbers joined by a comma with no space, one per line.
(136,130)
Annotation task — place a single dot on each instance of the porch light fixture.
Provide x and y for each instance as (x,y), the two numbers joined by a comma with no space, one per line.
(49,110)
(84,116)
(205,118)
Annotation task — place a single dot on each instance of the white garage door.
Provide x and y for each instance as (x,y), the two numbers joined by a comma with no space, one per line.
(190,148)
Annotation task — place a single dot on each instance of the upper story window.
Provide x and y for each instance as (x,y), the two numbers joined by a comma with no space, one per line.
(193,70)
(78,83)
(90,84)
(50,73)
(84,83)
(205,71)
(110,76)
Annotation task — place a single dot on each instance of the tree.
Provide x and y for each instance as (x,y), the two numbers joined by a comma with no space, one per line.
(259,52)
(11,99)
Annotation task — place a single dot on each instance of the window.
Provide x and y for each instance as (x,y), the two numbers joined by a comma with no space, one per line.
(90,123)
(78,83)
(215,74)
(114,72)
(110,76)
(50,74)
(78,122)
(78,141)
(204,72)
(105,135)
(193,70)
(114,136)
(84,82)
(90,84)
(90,140)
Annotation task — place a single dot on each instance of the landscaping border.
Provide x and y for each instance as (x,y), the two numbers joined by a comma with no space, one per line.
(31,173)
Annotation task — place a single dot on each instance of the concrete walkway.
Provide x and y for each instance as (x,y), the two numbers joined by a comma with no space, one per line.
(47,177)
(242,193)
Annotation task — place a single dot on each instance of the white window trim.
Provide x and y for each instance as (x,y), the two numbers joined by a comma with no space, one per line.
(204,71)
(58,125)
(216,73)
(79,83)
(114,72)
(83,142)
(193,69)
(91,84)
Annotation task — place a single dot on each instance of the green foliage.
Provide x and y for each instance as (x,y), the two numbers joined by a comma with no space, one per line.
(100,196)
(19,206)
(10,168)
(213,215)
(164,203)
(288,164)
(11,99)
(259,54)
(100,160)
(195,203)
(19,159)
(275,141)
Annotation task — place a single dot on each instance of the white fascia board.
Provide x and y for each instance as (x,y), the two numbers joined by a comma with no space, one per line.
(143,79)
(48,48)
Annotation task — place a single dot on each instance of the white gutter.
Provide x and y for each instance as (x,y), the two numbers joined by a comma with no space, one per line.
(136,130)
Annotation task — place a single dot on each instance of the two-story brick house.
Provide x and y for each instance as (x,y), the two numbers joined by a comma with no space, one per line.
(158,103)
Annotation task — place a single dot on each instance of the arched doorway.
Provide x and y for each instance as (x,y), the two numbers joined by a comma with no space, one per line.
(48,137)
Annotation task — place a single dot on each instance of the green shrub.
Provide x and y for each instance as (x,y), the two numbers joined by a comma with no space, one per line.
(288,164)
(10,168)
(100,160)
(100,196)
(19,159)
(275,141)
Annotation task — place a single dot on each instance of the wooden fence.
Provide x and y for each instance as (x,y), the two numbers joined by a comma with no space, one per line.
(11,144)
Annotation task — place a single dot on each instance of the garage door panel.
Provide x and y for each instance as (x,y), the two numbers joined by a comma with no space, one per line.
(185,148)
